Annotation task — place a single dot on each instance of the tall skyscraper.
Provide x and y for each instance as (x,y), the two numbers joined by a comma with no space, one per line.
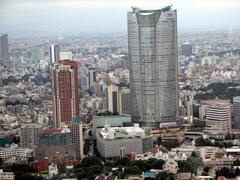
(91,78)
(54,54)
(186,49)
(29,135)
(36,54)
(124,101)
(64,92)
(4,52)
(153,65)
(113,99)
(77,137)
(236,112)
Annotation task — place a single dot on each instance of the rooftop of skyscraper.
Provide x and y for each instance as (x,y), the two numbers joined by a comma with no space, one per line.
(138,10)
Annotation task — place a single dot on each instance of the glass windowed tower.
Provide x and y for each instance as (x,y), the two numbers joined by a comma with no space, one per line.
(153,65)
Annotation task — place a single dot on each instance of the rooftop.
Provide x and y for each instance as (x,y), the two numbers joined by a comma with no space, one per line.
(111,133)
(138,10)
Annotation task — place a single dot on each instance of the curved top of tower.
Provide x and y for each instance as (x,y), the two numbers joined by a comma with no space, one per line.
(141,11)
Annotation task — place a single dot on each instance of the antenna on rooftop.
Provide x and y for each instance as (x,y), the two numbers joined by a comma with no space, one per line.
(230,29)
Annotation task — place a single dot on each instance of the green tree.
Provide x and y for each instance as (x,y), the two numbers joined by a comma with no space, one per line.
(226,172)
(171,143)
(89,168)
(193,154)
(159,140)
(237,172)
(185,166)
(62,168)
(132,170)
(206,169)
(195,163)
(203,142)
(165,176)
(123,161)
(236,162)
(155,163)
(1,162)
(86,146)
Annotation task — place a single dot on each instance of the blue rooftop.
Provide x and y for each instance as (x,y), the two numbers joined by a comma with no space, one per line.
(150,174)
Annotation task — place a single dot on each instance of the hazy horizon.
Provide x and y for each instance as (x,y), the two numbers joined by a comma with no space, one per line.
(109,16)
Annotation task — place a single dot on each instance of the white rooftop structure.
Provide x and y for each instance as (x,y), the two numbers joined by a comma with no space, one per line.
(111,133)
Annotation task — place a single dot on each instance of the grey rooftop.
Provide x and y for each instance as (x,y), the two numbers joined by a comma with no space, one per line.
(138,10)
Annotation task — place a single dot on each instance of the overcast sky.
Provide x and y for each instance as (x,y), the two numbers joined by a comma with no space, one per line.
(98,16)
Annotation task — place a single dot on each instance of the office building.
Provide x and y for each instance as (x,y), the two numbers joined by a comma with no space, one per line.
(64,92)
(113,99)
(29,135)
(118,100)
(56,145)
(153,66)
(236,112)
(124,101)
(36,54)
(4,51)
(6,175)
(116,142)
(186,49)
(54,54)
(91,78)
(219,119)
(15,152)
(77,137)
(66,55)
(55,137)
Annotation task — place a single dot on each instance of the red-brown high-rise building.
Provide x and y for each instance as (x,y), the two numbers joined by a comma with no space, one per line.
(64,92)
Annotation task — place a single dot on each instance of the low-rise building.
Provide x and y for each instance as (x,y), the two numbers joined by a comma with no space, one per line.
(52,170)
(40,165)
(114,142)
(6,175)
(177,156)
(113,120)
(15,152)
(187,150)
(219,119)
(168,133)
(234,152)
(208,152)
(171,166)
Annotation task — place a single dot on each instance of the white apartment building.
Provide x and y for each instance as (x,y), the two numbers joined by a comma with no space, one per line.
(6,175)
(15,152)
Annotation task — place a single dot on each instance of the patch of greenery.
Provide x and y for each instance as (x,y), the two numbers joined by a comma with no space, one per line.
(206,142)
(218,90)
(165,176)
(169,144)
(91,167)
